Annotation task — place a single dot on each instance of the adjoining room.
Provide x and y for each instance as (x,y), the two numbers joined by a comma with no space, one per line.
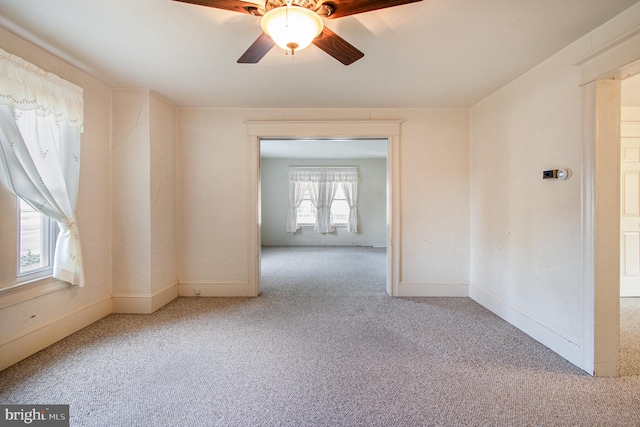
(354,234)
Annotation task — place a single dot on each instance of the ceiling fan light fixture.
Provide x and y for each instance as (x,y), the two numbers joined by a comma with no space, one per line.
(292,27)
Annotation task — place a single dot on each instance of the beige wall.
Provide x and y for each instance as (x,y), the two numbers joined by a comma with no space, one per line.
(526,231)
(33,324)
(528,246)
(163,197)
(434,181)
(213,192)
(144,201)
(130,164)
(213,197)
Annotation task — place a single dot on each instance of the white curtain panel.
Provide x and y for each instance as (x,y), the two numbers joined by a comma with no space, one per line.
(41,119)
(322,194)
(350,190)
(323,183)
(296,196)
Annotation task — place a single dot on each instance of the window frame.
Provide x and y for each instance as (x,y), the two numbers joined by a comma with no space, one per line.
(34,284)
(48,240)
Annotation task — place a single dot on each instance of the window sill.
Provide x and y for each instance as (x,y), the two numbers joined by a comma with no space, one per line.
(29,290)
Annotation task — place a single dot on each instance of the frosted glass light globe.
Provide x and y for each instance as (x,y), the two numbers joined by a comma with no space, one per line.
(292,27)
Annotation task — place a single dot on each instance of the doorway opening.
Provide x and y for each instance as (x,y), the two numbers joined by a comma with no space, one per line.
(602,219)
(388,130)
(347,258)
(630,227)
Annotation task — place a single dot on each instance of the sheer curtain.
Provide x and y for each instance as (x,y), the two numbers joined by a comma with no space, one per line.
(322,193)
(41,119)
(296,196)
(323,183)
(350,189)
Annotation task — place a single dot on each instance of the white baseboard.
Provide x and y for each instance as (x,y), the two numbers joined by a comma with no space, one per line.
(144,304)
(21,347)
(407,289)
(214,289)
(319,243)
(560,342)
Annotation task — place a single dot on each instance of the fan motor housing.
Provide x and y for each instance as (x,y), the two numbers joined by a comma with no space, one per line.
(309,4)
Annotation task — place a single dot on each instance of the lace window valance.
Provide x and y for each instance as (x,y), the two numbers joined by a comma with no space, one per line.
(24,86)
(320,174)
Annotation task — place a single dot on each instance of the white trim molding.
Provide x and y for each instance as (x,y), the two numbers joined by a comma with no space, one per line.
(624,51)
(561,342)
(30,290)
(601,72)
(214,289)
(408,289)
(314,242)
(144,303)
(16,348)
(601,227)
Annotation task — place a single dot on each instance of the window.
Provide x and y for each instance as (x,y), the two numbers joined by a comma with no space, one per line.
(42,121)
(36,243)
(306,212)
(334,191)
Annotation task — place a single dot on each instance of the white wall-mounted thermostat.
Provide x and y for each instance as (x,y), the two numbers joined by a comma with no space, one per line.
(556,174)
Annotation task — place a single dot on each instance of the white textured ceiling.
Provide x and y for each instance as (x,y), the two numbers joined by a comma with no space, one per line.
(435,53)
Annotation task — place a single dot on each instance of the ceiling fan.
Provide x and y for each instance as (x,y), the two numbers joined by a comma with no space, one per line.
(294,24)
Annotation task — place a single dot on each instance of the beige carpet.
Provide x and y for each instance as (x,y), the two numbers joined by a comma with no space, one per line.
(317,349)
(629,336)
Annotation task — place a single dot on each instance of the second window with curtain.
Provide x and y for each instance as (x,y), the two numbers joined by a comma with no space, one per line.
(324,197)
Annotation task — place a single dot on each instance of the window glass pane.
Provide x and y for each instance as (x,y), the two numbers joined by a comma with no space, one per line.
(34,239)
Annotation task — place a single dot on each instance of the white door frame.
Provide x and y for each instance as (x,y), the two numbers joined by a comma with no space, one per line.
(374,129)
(601,72)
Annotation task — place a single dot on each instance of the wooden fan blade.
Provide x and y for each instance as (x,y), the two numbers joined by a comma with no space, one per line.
(337,47)
(257,50)
(232,5)
(351,7)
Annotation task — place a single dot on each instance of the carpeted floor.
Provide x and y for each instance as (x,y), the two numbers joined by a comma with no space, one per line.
(629,336)
(323,348)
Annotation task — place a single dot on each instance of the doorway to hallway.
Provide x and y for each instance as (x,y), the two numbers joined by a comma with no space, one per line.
(630,227)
